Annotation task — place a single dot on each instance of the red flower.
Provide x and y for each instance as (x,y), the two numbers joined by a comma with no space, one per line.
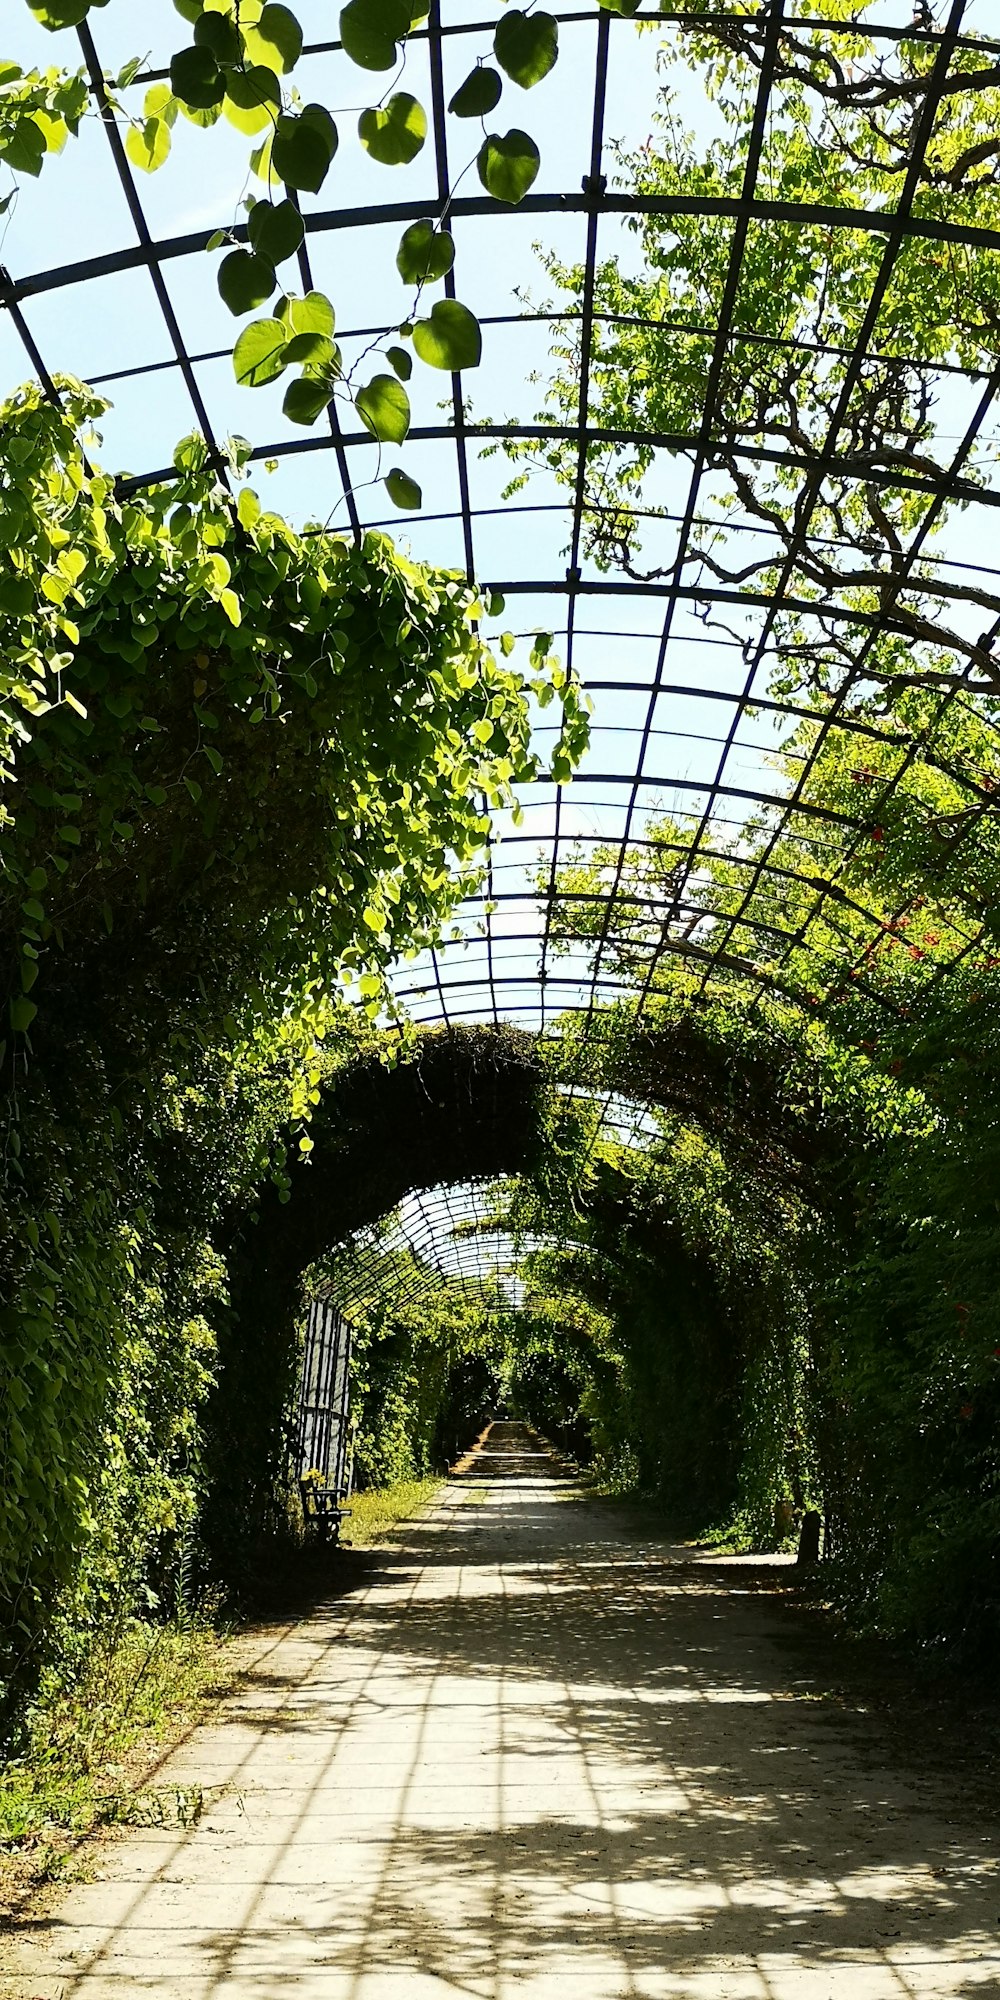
(966,1411)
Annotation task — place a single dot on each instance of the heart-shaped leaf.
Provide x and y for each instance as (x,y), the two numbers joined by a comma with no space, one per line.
(394,135)
(147,145)
(424,253)
(245,280)
(275,39)
(450,338)
(24,147)
(313,314)
(315,348)
(400,362)
(303,147)
(160,102)
(22,1013)
(526,45)
(259,354)
(195,77)
(305,400)
(219,34)
(275,229)
(384,408)
(60,13)
(479,94)
(253,99)
(508,165)
(370,30)
(208,115)
(402,490)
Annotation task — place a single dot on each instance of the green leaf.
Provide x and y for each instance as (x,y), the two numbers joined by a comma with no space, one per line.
(160,102)
(16,595)
(400,362)
(259,354)
(56,14)
(245,280)
(311,314)
(247,507)
(305,400)
(425,253)
(22,1013)
(190,452)
(275,40)
(275,229)
(394,136)
(195,77)
(148,144)
(370,30)
(402,490)
(526,46)
(303,148)
(450,338)
(204,118)
(508,165)
(253,99)
(219,34)
(316,349)
(24,147)
(384,408)
(479,93)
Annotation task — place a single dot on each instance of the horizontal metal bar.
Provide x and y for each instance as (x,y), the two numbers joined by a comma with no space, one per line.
(724,207)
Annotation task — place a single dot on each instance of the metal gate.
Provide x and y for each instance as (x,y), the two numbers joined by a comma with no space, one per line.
(323,1439)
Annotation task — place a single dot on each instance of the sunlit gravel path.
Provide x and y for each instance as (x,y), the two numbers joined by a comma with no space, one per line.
(534,1756)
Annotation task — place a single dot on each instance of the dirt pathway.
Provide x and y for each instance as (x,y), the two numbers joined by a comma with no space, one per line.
(534,1757)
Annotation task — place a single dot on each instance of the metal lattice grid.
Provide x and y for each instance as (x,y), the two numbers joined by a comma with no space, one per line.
(112,283)
(449,1237)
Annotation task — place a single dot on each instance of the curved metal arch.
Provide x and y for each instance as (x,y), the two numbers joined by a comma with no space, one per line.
(631,640)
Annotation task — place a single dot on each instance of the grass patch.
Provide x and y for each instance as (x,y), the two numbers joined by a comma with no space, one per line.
(89,1742)
(374,1512)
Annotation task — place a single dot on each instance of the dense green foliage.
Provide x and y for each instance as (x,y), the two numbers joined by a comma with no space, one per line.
(245,766)
(827,1146)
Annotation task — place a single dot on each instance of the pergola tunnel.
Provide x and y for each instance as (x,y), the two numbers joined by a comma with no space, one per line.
(500,814)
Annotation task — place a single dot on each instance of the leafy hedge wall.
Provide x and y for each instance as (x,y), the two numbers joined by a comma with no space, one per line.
(243,768)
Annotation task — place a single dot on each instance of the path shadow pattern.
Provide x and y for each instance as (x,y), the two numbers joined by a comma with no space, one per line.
(535,1758)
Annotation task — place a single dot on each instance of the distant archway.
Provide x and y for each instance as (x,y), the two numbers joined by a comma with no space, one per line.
(461,1104)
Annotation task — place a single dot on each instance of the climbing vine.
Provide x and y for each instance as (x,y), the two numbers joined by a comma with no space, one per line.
(245,767)
(239,66)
